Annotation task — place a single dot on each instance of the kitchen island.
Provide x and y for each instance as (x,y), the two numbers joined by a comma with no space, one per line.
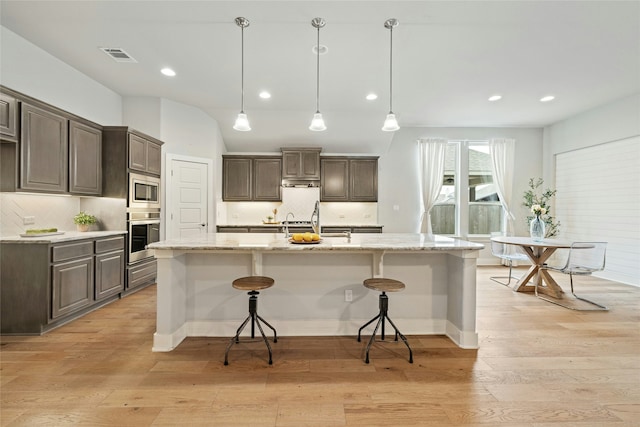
(195,297)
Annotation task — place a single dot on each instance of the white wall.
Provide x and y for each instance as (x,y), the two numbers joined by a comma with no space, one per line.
(617,120)
(398,177)
(28,69)
(602,126)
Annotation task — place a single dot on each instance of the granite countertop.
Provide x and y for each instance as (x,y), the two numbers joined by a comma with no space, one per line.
(357,242)
(67,236)
(280,224)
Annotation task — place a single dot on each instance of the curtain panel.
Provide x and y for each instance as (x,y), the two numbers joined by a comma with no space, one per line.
(432,152)
(502,151)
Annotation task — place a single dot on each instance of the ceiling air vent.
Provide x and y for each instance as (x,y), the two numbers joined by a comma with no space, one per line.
(118,54)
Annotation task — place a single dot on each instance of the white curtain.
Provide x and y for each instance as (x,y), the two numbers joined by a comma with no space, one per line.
(432,152)
(502,151)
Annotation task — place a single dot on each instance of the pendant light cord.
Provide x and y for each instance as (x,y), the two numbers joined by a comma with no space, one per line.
(242,70)
(391,71)
(318,73)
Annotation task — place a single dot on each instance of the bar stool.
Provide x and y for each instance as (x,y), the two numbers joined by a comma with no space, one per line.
(252,284)
(384,286)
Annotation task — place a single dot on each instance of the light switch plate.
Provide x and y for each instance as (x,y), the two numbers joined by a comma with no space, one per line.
(28,220)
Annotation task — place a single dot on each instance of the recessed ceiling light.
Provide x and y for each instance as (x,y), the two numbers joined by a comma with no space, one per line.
(264,95)
(495,97)
(372,96)
(547,98)
(168,72)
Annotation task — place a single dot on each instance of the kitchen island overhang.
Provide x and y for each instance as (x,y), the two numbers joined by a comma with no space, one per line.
(195,297)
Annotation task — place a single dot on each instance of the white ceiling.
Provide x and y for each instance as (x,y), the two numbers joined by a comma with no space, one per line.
(449,57)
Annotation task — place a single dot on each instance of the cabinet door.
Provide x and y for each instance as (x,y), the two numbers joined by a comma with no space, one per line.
(85,159)
(310,164)
(334,180)
(8,118)
(290,165)
(236,179)
(43,150)
(137,153)
(109,274)
(266,179)
(71,286)
(154,158)
(363,180)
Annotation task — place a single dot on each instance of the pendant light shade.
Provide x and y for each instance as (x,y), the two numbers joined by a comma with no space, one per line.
(317,123)
(242,122)
(390,124)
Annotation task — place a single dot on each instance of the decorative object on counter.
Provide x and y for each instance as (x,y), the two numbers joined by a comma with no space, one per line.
(317,123)
(390,123)
(536,226)
(275,215)
(83,220)
(305,238)
(37,232)
(242,122)
(531,198)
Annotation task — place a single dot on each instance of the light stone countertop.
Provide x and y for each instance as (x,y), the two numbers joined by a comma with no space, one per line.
(68,236)
(357,242)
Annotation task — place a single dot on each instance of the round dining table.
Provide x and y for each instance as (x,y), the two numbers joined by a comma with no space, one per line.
(538,253)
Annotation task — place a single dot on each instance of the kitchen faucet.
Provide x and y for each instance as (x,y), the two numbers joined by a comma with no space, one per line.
(286,224)
(315,218)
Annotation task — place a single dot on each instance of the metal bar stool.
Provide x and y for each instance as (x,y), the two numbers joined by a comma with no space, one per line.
(383,285)
(252,284)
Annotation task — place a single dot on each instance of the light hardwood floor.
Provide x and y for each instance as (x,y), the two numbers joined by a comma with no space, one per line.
(538,365)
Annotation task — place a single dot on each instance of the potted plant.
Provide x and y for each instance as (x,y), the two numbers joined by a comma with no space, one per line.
(83,220)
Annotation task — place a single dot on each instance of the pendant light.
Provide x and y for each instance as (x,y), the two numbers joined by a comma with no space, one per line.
(317,123)
(390,124)
(242,122)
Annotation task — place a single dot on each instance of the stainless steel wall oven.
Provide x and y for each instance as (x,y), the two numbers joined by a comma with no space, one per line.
(144,229)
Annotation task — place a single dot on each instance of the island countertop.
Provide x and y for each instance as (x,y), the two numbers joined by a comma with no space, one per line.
(357,242)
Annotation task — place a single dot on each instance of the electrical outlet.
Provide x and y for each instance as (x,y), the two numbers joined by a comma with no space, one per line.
(367,215)
(28,220)
(341,216)
(396,207)
(235,216)
(348,295)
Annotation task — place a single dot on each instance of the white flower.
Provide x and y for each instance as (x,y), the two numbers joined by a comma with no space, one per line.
(538,210)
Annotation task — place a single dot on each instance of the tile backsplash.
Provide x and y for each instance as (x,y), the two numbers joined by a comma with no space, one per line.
(57,211)
(300,202)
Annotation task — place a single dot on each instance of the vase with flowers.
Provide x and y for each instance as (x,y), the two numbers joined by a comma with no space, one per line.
(537,226)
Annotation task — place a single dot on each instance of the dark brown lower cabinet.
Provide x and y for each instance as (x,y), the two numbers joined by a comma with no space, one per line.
(141,274)
(45,285)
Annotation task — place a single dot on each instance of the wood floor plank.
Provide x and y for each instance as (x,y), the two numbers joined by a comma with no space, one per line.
(538,365)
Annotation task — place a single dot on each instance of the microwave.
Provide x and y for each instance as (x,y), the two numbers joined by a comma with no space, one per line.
(144,191)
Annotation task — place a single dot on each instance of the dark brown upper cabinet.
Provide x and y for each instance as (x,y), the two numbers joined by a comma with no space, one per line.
(43,150)
(251,178)
(349,179)
(144,155)
(85,159)
(301,164)
(8,118)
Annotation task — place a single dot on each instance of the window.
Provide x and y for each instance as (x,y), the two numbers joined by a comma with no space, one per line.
(474,212)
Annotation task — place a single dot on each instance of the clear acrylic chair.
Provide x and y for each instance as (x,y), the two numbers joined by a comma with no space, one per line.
(583,258)
(509,253)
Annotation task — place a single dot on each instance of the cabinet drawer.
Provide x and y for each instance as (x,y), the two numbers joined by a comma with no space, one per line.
(141,274)
(367,229)
(233,229)
(108,245)
(70,251)
(335,229)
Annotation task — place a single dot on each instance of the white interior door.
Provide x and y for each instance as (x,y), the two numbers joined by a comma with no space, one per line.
(188,203)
